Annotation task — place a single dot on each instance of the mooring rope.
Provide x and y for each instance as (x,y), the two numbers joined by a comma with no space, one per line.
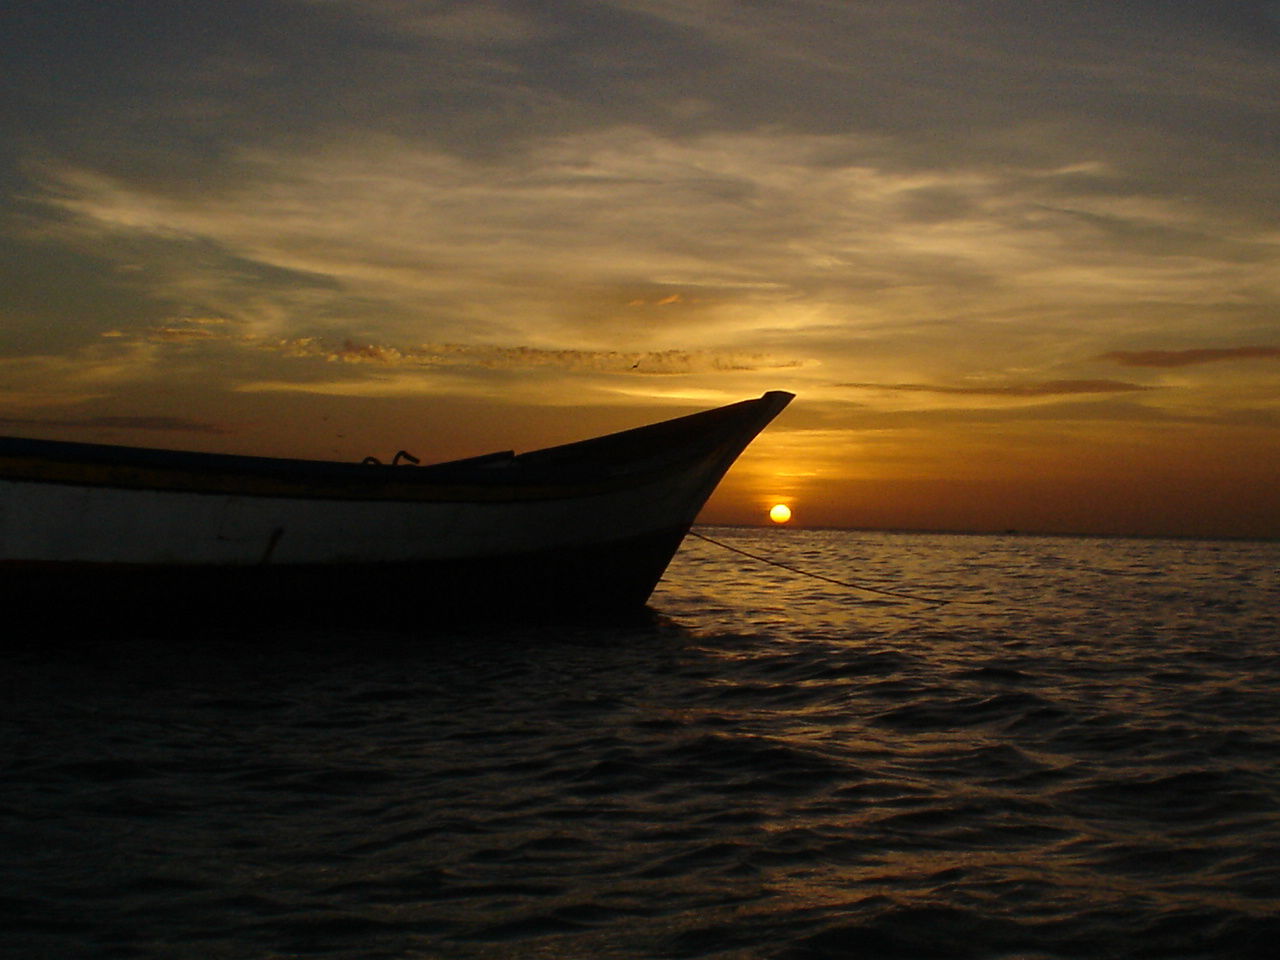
(818,576)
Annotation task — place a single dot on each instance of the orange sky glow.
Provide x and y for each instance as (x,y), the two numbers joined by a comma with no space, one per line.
(1022,271)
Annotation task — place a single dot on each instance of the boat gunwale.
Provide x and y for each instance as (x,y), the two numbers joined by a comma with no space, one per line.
(595,466)
(379,490)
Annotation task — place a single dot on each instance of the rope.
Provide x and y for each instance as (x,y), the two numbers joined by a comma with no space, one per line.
(818,576)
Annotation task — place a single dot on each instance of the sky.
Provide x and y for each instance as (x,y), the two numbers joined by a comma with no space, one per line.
(1019,261)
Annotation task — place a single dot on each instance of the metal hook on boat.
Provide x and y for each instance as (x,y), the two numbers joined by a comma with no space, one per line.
(395,461)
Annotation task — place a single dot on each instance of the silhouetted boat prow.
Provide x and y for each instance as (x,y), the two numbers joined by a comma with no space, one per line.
(579,529)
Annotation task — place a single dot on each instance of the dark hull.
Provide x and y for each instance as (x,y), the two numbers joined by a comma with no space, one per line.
(123,533)
(547,586)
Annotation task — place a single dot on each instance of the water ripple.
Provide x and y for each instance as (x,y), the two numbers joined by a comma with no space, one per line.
(1082,765)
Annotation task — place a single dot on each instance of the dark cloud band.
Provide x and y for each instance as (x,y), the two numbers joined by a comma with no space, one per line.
(1187,358)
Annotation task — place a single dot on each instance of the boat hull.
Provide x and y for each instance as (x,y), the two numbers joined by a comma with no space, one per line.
(602,578)
(586,527)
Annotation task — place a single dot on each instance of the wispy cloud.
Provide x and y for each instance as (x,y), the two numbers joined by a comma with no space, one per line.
(85,375)
(190,330)
(476,22)
(528,358)
(1187,358)
(722,236)
(1049,388)
(212,330)
(159,424)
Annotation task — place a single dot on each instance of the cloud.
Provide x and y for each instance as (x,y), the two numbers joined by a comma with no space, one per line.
(163,424)
(473,22)
(1049,388)
(1187,358)
(212,330)
(954,200)
(191,330)
(88,374)
(556,240)
(524,358)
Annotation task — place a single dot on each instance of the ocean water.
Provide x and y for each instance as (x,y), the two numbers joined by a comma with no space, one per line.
(1077,756)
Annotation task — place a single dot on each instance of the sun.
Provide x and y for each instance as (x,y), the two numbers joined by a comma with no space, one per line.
(779,513)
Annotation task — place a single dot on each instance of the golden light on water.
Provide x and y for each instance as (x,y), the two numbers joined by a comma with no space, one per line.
(779,513)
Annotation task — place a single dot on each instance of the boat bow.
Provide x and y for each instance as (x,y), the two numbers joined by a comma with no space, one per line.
(582,526)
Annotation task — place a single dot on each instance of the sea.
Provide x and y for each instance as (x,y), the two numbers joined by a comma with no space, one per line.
(892,745)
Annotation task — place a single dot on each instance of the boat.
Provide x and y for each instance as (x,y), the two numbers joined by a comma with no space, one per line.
(583,528)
